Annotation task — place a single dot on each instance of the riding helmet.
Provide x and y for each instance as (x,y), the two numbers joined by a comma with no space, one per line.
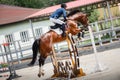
(63,5)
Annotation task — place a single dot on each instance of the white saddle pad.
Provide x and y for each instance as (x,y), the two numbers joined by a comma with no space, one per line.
(58,30)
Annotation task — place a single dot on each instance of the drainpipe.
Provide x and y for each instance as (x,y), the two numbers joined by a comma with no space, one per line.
(32,28)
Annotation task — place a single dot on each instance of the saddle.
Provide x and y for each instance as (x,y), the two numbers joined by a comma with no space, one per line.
(56,26)
(62,27)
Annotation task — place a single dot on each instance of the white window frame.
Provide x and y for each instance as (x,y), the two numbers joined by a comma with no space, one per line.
(9,38)
(38,32)
(24,35)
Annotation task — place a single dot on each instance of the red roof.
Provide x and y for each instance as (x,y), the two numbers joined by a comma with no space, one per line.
(10,14)
(70,5)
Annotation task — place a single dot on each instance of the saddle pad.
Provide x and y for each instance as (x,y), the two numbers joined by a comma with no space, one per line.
(58,30)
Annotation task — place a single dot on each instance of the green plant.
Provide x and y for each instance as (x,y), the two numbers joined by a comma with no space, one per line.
(3,65)
(93,16)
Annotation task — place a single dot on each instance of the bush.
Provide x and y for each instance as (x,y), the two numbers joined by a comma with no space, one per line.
(3,65)
(93,16)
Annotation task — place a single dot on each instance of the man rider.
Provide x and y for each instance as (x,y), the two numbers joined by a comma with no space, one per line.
(55,18)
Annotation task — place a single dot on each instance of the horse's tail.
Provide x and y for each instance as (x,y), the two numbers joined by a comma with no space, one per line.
(35,49)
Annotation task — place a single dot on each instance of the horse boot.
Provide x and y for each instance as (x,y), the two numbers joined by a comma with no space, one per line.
(83,34)
(63,29)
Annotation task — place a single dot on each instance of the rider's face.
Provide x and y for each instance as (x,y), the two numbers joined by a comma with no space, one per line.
(65,7)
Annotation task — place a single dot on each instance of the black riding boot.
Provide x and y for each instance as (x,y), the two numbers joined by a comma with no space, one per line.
(63,29)
(55,26)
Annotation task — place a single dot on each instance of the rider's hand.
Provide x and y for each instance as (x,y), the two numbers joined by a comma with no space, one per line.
(65,19)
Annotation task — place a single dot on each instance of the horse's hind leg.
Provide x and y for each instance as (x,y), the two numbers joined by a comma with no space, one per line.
(41,63)
(41,71)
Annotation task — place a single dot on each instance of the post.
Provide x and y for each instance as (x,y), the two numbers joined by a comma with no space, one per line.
(16,53)
(20,50)
(99,37)
(2,53)
(111,20)
(10,63)
(32,29)
(98,65)
(105,16)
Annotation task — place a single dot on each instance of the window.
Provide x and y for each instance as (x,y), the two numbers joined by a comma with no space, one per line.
(24,36)
(38,32)
(9,38)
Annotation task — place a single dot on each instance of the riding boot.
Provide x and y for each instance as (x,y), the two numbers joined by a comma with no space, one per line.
(55,26)
(63,29)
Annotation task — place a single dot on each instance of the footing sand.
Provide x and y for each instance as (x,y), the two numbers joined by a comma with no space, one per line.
(107,68)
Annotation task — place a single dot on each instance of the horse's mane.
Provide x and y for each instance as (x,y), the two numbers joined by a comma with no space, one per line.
(73,12)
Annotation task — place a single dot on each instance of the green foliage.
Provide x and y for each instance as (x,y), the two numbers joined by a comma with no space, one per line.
(33,3)
(9,2)
(3,65)
(30,3)
(93,16)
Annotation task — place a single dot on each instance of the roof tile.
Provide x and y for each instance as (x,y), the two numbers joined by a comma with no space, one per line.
(11,14)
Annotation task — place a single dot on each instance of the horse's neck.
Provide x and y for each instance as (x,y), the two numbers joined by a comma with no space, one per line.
(73,17)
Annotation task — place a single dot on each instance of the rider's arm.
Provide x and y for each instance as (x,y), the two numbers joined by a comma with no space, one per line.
(64,15)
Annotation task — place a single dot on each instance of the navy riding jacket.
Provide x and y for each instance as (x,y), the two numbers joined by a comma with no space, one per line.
(58,13)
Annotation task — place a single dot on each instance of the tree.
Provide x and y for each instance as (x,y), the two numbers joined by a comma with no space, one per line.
(93,16)
(8,2)
(33,3)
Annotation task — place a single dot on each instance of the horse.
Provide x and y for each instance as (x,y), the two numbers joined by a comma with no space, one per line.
(44,45)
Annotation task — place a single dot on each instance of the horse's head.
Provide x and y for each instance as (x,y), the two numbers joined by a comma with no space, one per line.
(72,27)
(79,17)
(83,19)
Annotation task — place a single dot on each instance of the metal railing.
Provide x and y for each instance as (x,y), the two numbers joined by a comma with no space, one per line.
(21,50)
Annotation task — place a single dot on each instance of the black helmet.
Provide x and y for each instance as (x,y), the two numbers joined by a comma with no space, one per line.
(63,5)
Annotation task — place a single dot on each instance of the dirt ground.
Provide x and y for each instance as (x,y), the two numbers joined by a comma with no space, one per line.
(108,68)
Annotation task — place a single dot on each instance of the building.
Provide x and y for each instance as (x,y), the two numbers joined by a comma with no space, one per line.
(23,25)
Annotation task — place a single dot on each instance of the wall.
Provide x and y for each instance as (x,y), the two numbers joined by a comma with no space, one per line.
(16,28)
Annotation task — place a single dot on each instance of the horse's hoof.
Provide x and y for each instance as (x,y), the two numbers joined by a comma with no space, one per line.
(43,74)
(39,75)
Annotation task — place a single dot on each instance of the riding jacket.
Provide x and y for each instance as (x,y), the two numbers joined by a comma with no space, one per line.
(58,13)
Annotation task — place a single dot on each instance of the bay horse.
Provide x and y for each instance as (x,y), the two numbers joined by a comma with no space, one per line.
(44,45)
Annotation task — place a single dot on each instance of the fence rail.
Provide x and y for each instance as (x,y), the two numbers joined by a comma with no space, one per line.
(21,51)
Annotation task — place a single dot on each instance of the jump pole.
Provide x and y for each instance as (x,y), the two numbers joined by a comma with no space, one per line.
(98,67)
(11,66)
(69,68)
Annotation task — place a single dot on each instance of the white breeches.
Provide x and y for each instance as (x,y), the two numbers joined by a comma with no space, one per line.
(58,21)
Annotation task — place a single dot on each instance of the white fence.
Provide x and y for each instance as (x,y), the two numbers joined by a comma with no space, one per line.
(21,50)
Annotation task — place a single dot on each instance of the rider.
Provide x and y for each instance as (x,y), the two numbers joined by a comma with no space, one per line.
(55,18)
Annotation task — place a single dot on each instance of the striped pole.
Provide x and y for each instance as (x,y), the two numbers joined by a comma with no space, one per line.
(98,65)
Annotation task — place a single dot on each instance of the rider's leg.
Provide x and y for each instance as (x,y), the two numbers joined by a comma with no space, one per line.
(56,21)
(55,26)
(62,27)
